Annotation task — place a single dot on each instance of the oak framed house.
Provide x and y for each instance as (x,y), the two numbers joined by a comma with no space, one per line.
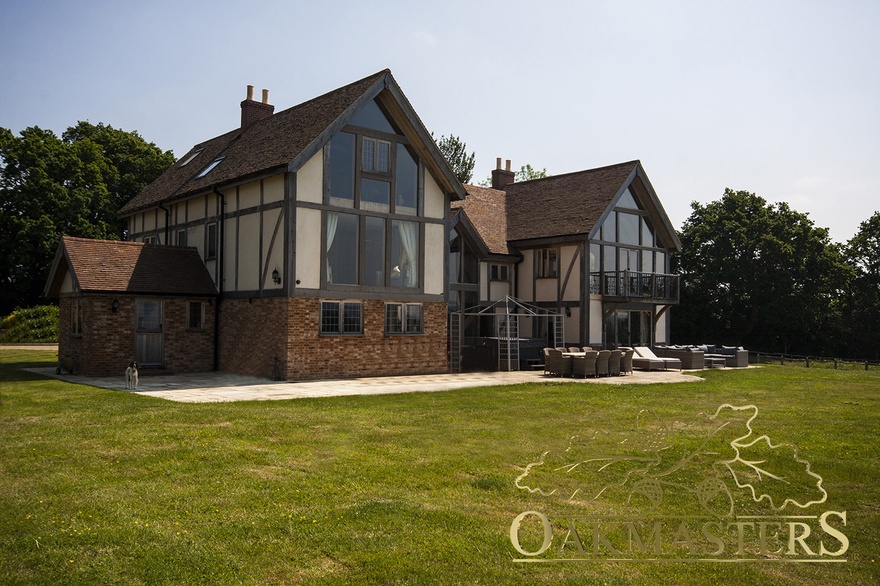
(592,246)
(323,228)
(332,239)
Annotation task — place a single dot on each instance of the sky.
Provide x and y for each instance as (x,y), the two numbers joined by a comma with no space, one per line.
(779,98)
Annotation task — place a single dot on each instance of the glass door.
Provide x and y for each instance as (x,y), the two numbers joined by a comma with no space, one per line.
(148,342)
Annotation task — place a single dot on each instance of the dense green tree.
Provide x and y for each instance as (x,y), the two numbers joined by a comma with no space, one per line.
(759,275)
(863,296)
(73,185)
(455,151)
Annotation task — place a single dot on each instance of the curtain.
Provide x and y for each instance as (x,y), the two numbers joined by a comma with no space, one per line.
(409,242)
(332,222)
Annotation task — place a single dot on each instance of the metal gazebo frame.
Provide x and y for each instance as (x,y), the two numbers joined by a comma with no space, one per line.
(507,313)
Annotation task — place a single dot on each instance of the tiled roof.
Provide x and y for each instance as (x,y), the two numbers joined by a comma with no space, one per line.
(133,267)
(485,208)
(563,205)
(271,143)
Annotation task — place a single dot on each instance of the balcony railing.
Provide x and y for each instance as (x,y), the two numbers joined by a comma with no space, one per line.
(635,285)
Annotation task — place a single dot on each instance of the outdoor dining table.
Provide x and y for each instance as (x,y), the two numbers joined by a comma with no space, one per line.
(575,354)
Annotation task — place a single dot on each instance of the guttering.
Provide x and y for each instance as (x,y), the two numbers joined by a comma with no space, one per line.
(220,261)
(167,217)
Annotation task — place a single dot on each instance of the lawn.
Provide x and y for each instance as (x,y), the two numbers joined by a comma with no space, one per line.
(105,487)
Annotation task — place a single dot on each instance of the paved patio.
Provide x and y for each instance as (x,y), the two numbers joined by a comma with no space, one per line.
(220,387)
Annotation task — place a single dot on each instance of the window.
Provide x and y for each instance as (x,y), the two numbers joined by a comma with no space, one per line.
(403,318)
(499,272)
(370,172)
(211,243)
(150,239)
(342,317)
(76,317)
(208,169)
(355,251)
(195,315)
(192,156)
(181,237)
(547,263)
(376,156)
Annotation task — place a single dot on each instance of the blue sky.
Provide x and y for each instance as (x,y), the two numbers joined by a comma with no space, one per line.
(781,98)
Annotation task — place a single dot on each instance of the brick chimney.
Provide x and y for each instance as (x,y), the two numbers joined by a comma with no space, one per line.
(501,178)
(253,111)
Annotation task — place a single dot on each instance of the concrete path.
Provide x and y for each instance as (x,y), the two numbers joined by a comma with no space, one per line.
(220,387)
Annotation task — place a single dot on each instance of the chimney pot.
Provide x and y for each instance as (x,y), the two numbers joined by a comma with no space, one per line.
(253,111)
(501,178)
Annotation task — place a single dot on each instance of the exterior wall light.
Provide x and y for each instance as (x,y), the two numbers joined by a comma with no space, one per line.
(276,277)
(114,307)
(567,310)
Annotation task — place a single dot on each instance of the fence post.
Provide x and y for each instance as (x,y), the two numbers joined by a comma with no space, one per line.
(866,365)
(835,364)
(782,359)
(808,362)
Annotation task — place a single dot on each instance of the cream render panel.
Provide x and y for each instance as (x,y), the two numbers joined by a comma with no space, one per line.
(196,237)
(572,290)
(67,284)
(310,180)
(273,189)
(484,281)
(308,247)
(274,251)
(660,332)
(526,276)
(435,252)
(195,208)
(149,220)
(248,253)
(571,325)
(596,320)
(249,195)
(545,289)
(435,200)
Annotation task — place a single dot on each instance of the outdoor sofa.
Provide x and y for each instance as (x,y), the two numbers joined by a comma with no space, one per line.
(694,357)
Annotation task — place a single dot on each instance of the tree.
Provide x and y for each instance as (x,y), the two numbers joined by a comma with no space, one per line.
(759,275)
(455,151)
(527,173)
(863,296)
(74,186)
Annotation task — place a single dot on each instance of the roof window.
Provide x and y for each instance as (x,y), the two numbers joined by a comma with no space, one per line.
(192,156)
(208,169)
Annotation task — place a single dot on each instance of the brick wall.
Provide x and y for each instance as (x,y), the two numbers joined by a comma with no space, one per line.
(312,356)
(252,335)
(107,343)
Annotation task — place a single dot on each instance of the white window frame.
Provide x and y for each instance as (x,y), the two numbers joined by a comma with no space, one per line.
(76,318)
(547,263)
(372,165)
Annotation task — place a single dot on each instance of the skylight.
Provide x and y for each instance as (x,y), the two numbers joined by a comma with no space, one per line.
(194,154)
(207,169)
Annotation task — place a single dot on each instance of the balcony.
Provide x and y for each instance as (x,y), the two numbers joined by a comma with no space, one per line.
(635,286)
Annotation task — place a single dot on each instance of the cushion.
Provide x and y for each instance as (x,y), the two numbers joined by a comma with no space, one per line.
(728,350)
(710,349)
(704,348)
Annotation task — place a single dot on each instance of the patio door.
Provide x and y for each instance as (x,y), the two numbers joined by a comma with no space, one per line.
(148,340)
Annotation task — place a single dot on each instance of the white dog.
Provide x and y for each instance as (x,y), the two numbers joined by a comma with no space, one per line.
(131,375)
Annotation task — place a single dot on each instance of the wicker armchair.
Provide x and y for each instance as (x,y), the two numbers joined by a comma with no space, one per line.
(558,364)
(614,363)
(602,362)
(584,366)
(547,360)
(626,361)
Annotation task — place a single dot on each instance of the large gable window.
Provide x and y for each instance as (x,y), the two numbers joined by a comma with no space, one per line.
(370,166)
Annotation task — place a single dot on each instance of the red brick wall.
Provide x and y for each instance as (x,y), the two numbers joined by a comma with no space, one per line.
(312,356)
(107,343)
(252,335)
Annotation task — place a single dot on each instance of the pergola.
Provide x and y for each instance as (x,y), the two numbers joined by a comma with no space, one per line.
(506,314)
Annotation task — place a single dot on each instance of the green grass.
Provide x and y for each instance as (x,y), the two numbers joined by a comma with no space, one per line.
(101,487)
